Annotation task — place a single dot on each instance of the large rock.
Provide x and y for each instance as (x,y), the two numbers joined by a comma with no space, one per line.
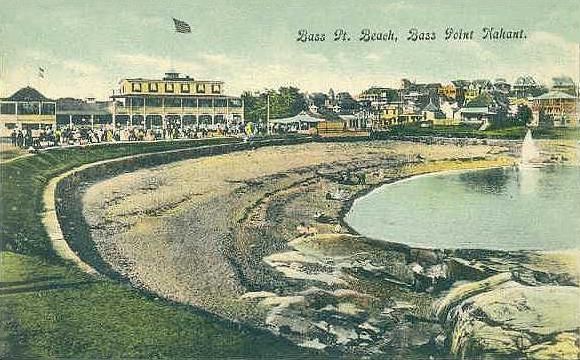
(517,320)
(464,292)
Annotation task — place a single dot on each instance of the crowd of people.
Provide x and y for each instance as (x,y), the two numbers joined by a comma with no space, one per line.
(71,135)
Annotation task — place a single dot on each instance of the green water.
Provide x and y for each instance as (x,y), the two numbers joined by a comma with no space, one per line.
(508,209)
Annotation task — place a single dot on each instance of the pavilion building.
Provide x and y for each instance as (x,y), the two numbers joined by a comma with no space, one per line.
(26,109)
(174,101)
(555,108)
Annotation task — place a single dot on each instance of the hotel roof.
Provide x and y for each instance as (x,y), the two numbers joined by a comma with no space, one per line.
(554,95)
(173,77)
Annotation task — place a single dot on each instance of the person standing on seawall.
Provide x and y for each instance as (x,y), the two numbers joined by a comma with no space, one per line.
(13,137)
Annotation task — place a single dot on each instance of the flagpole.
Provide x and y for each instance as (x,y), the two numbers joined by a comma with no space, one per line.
(2,85)
(268,115)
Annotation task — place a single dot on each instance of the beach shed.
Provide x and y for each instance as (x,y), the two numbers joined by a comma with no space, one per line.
(302,122)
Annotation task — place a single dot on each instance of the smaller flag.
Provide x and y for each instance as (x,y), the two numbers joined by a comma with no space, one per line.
(181,26)
(40,72)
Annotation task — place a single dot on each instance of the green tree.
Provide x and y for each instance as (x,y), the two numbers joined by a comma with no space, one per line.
(523,115)
(286,102)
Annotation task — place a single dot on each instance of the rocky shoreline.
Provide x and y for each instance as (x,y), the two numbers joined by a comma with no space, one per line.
(259,237)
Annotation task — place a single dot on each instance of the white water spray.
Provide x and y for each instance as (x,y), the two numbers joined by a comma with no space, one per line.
(530,151)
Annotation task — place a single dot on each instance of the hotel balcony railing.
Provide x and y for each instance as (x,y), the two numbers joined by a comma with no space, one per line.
(149,110)
(29,118)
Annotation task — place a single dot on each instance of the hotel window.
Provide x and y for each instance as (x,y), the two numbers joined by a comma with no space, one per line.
(168,87)
(205,103)
(172,102)
(215,89)
(153,87)
(137,102)
(190,103)
(220,102)
(185,88)
(200,88)
(136,87)
(8,108)
(153,102)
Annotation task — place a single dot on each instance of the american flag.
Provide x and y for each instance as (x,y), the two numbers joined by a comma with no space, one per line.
(181,26)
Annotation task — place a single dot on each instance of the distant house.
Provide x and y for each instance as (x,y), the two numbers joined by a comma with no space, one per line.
(479,110)
(526,86)
(450,110)
(461,87)
(501,86)
(449,91)
(389,116)
(555,108)
(361,120)
(397,114)
(476,115)
(432,112)
(377,97)
(478,87)
(564,84)
(313,108)
(26,109)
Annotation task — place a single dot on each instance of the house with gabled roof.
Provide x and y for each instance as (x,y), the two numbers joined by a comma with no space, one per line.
(432,112)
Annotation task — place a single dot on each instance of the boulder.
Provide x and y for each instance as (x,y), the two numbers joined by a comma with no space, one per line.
(563,346)
(517,320)
(461,293)
(461,269)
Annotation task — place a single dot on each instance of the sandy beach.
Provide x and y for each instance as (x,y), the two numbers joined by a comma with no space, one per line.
(258,237)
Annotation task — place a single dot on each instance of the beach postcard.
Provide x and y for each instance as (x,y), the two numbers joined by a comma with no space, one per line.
(188,179)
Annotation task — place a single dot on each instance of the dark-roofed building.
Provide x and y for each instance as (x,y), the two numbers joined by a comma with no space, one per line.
(26,109)
(432,112)
(526,86)
(564,84)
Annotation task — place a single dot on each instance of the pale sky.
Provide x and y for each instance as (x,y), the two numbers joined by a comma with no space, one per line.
(87,46)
